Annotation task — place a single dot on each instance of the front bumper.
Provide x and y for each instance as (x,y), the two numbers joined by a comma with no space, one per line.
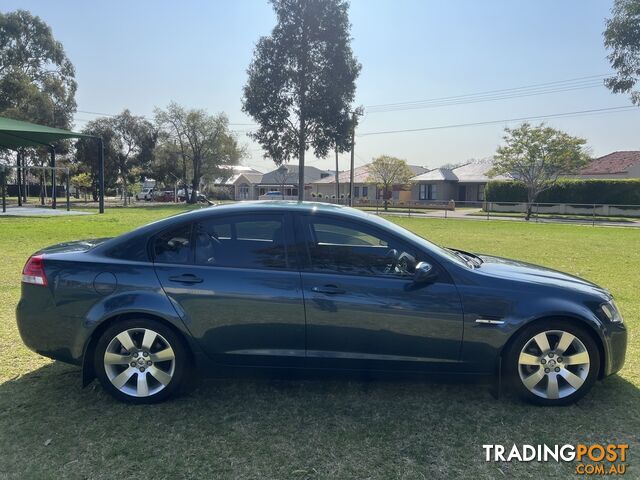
(615,348)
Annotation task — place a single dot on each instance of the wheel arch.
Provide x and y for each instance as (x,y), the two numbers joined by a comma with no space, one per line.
(589,327)
(88,371)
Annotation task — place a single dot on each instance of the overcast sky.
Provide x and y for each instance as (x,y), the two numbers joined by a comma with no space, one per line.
(143,54)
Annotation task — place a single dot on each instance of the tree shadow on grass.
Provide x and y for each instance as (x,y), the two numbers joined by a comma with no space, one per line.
(259,427)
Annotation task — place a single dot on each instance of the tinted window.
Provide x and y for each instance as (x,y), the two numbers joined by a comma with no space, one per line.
(340,247)
(173,246)
(241,241)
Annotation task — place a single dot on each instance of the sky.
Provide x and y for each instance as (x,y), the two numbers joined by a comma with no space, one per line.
(144,54)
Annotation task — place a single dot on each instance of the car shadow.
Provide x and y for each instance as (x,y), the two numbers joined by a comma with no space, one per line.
(47,416)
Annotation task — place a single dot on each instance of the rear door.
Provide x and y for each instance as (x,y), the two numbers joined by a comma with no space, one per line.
(363,309)
(236,284)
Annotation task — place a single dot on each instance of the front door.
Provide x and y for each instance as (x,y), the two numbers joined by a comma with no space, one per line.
(234,282)
(363,308)
(462,193)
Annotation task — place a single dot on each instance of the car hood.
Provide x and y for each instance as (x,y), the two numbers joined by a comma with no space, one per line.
(75,246)
(526,272)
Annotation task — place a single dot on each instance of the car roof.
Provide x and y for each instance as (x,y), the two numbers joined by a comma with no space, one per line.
(142,233)
(272,205)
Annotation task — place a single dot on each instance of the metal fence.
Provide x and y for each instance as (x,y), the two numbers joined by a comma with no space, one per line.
(540,212)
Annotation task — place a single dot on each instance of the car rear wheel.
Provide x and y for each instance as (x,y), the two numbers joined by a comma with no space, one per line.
(140,361)
(553,363)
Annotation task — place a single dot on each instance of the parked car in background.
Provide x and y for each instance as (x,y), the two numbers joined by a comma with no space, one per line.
(276,285)
(200,197)
(146,194)
(165,196)
(272,195)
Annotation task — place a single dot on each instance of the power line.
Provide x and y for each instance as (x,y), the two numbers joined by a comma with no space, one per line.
(554,84)
(489,98)
(148,117)
(506,120)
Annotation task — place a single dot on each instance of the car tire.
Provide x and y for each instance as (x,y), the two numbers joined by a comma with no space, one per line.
(553,362)
(141,361)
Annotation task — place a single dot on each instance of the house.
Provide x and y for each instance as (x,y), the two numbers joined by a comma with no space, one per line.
(247,183)
(616,165)
(465,183)
(284,179)
(239,183)
(363,189)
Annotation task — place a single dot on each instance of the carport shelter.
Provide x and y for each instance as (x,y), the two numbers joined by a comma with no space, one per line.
(15,134)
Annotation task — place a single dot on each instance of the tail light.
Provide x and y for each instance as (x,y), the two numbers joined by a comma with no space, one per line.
(33,271)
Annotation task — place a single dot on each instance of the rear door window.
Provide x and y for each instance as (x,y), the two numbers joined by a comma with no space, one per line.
(243,241)
(173,246)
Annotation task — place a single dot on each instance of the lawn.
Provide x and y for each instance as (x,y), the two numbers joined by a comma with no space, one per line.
(309,428)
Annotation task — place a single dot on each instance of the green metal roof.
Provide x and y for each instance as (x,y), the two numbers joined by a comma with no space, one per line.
(16,133)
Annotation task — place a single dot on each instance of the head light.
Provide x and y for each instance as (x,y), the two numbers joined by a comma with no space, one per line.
(611,312)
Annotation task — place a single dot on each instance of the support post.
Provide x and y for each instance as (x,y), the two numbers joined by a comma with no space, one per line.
(19,176)
(4,190)
(337,177)
(101,175)
(67,189)
(25,172)
(53,178)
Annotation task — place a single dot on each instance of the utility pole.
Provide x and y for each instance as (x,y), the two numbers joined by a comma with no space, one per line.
(354,115)
(353,152)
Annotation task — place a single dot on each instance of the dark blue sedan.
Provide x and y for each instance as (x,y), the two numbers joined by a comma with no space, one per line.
(275,285)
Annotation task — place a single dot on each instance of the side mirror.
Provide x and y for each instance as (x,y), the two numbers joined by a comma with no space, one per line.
(424,273)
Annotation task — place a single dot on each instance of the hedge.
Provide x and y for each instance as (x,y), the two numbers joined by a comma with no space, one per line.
(608,192)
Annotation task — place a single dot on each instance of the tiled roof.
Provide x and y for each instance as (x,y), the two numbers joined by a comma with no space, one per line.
(616,162)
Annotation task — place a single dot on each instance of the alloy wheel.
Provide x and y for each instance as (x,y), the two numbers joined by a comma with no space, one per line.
(554,364)
(139,362)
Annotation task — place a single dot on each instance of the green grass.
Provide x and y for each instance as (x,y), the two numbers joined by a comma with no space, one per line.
(308,429)
(556,216)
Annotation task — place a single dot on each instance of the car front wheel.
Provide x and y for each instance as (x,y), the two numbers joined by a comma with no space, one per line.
(553,363)
(140,361)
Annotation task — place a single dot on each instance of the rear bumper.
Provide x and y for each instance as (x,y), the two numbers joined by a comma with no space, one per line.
(44,331)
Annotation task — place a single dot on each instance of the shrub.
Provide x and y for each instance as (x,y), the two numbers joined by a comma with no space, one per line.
(610,192)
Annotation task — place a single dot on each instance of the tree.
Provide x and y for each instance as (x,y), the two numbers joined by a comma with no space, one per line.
(302,82)
(129,141)
(133,142)
(167,166)
(86,154)
(37,80)
(283,177)
(82,182)
(622,36)
(386,171)
(204,142)
(538,156)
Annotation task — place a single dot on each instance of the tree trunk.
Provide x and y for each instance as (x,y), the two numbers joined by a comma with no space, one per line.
(194,189)
(531,197)
(195,182)
(125,190)
(42,187)
(385,196)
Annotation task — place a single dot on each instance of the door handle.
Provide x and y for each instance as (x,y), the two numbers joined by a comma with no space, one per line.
(185,278)
(328,289)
